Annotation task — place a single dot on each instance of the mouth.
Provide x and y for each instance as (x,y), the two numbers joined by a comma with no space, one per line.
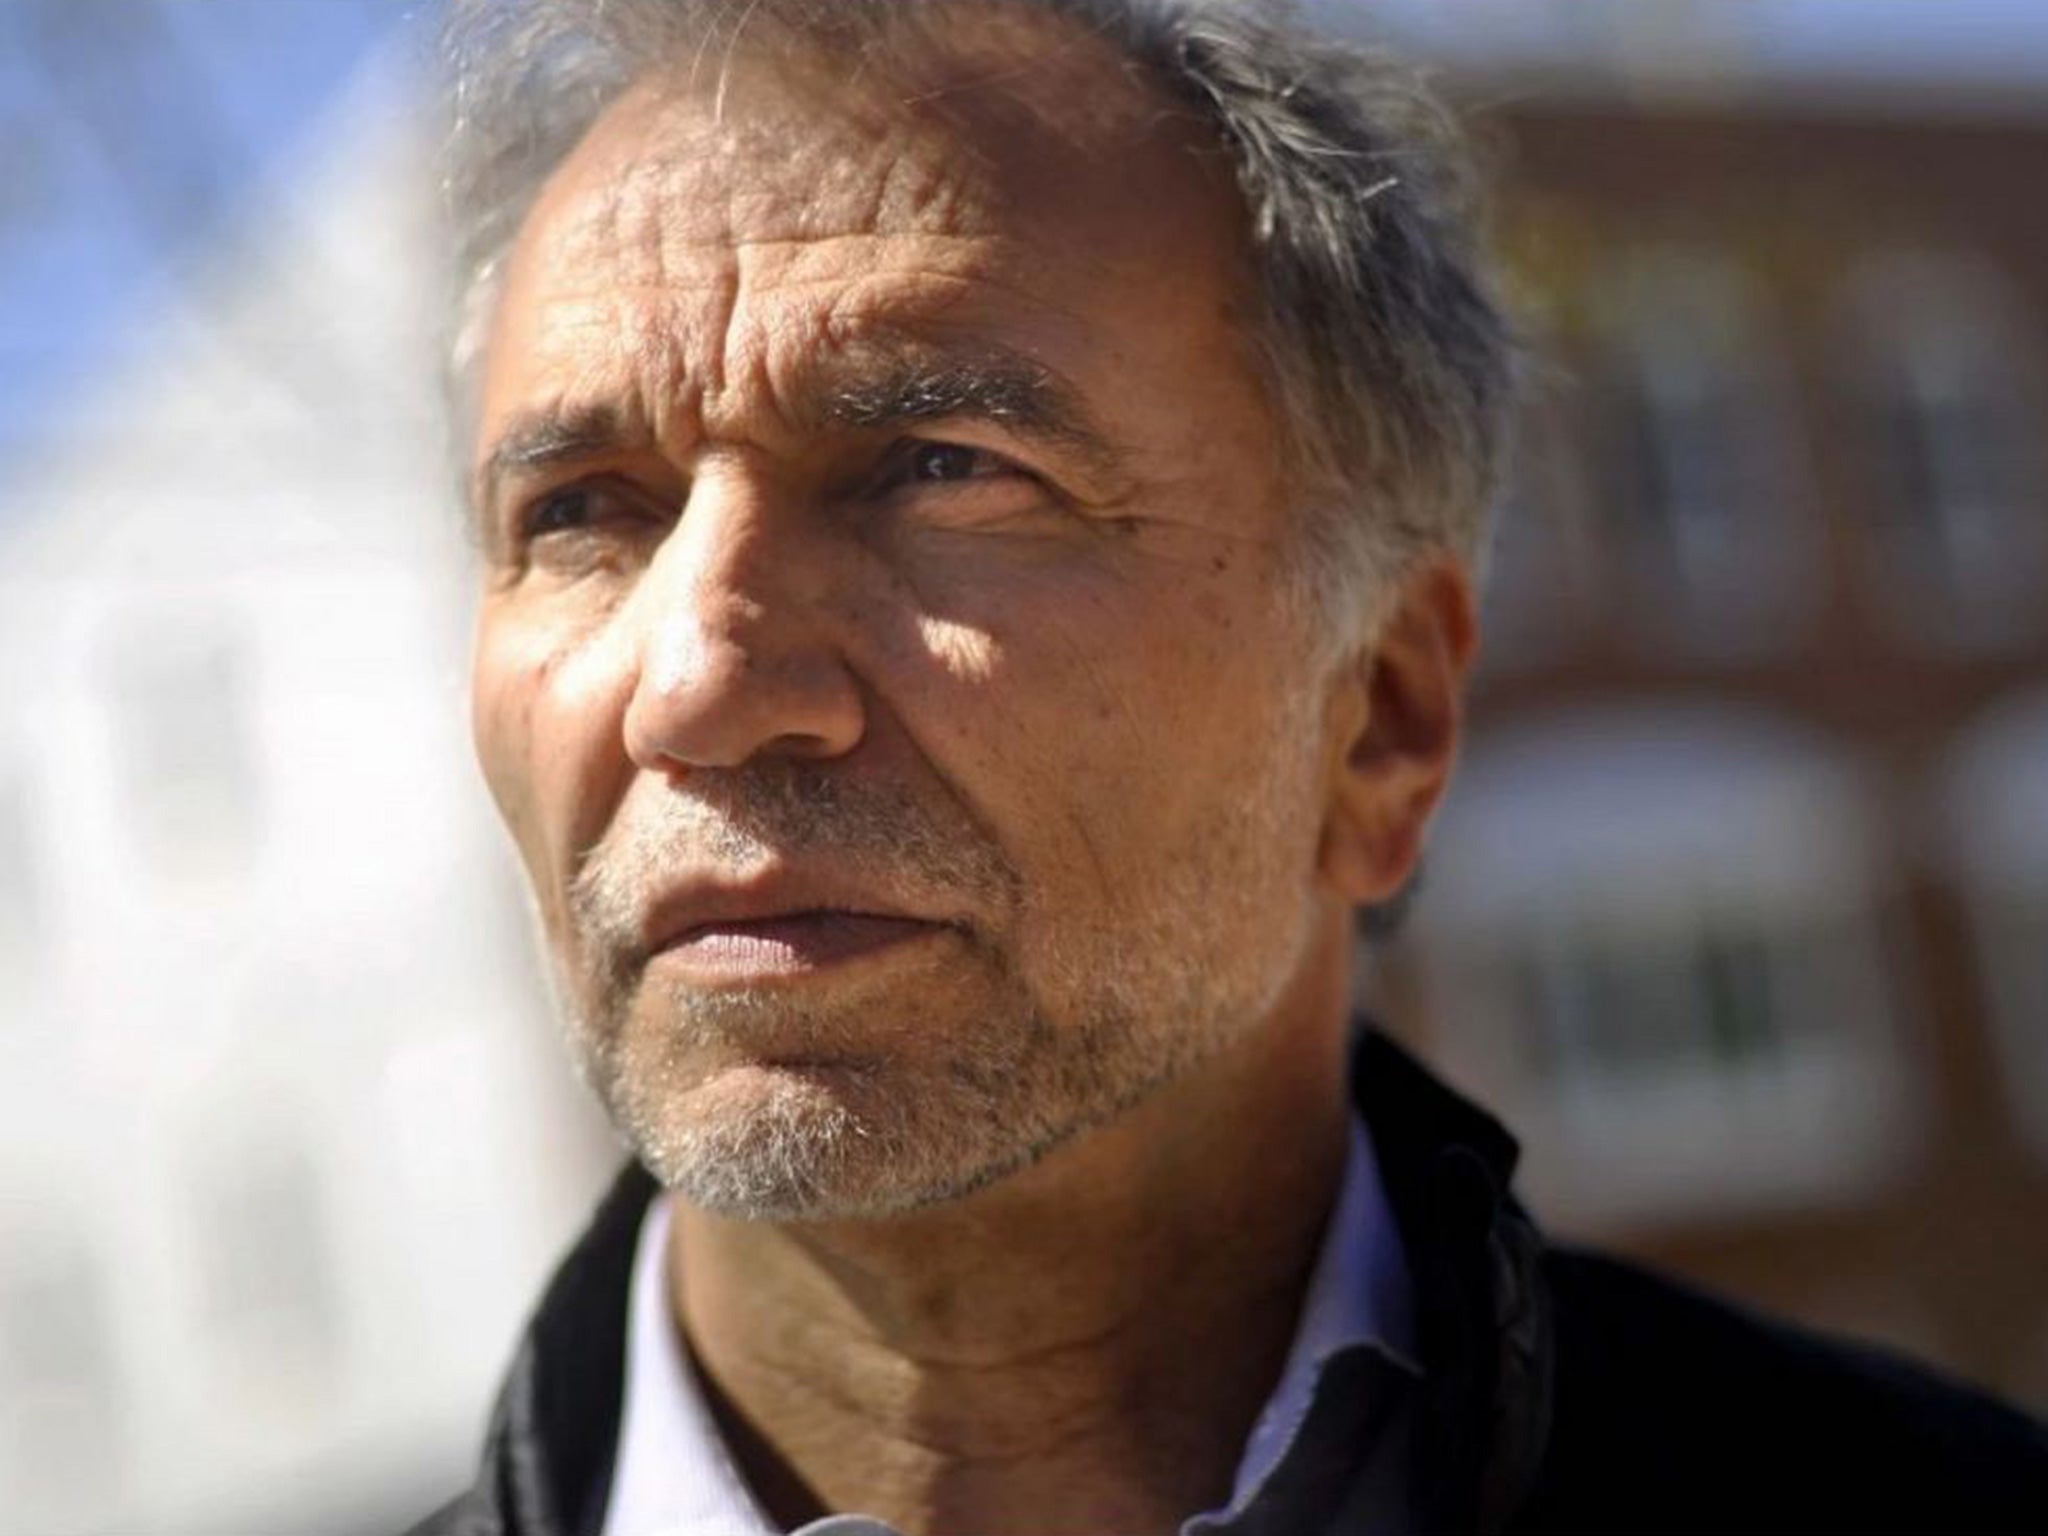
(787,945)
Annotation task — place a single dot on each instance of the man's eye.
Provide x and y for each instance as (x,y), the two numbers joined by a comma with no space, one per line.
(948,461)
(926,463)
(571,509)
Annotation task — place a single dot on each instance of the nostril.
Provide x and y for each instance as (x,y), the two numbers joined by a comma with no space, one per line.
(804,744)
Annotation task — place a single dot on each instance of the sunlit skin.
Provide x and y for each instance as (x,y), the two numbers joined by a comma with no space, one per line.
(1065,630)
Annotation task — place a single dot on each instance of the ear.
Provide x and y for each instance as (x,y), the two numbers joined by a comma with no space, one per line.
(1397,709)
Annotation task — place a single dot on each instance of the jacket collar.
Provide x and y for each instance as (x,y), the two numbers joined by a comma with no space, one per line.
(1481,1315)
(547,1465)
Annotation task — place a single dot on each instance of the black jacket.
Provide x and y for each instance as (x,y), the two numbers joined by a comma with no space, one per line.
(1563,1391)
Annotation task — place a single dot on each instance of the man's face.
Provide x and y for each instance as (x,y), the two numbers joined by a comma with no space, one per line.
(885,664)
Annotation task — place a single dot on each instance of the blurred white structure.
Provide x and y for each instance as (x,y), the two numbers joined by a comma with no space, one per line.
(1654,937)
(286,1141)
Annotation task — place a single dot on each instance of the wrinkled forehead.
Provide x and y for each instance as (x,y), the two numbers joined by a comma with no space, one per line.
(988,126)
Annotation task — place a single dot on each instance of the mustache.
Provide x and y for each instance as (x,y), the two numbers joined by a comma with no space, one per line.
(733,823)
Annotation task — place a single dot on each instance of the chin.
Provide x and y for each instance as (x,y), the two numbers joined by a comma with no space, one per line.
(816,1140)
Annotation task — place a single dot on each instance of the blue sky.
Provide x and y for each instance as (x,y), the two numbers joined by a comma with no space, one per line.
(129,133)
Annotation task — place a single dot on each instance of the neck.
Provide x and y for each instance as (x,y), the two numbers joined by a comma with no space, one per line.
(1081,1347)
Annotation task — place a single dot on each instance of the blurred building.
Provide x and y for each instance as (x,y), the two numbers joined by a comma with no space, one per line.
(1739,913)
(286,1139)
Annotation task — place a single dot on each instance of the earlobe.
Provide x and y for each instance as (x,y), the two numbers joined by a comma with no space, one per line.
(1398,715)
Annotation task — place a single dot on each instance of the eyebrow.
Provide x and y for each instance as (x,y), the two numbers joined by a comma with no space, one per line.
(541,439)
(872,387)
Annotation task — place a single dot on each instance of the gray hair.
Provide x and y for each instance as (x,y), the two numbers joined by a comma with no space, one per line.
(1389,361)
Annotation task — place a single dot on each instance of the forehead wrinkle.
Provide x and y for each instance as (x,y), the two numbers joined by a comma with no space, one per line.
(622,252)
(912,151)
(903,317)
(781,169)
(983,275)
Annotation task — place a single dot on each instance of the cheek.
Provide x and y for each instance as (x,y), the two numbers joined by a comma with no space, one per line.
(546,718)
(1073,720)
(1186,705)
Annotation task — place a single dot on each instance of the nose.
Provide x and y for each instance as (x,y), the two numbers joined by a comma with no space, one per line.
(737,655)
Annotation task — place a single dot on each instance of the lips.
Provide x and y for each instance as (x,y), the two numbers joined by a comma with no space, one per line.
(776,928)
(794,941)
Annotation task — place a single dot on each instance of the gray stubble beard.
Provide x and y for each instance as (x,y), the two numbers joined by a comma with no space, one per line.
(862,1134)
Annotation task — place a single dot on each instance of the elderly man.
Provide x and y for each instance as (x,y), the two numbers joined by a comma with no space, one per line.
(977,502)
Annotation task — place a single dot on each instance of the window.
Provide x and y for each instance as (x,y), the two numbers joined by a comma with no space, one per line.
(1652,938)
(1698,508)
(1936,373)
